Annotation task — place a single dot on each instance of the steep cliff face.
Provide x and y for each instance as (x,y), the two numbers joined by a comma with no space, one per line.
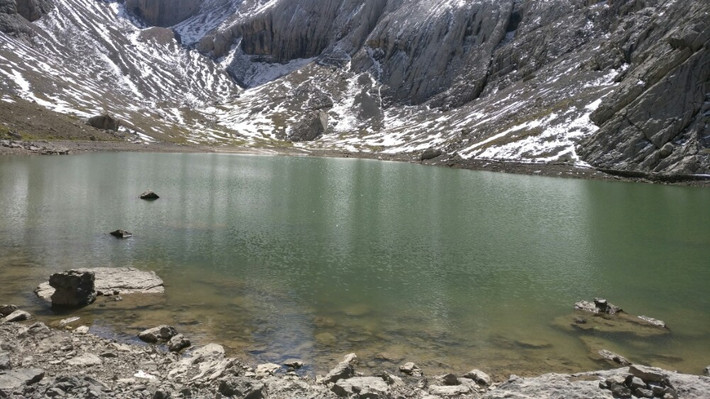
(163,12)
(15,15)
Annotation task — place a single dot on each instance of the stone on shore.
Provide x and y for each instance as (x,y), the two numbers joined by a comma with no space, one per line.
(449,390)
(18,315)
(613,358)
(241,387)
(5,363)
(85,360)
(707,371)
(7,309)
(149,195)
(267,369)
(479,377)
(124,280)
(178,343)
(161,333)
(343,370)
(14,379)
(648,374)
(412,369)
(120,233)
(73,288)
(363,387)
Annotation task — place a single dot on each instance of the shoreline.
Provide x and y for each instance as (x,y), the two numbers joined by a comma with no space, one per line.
(38,362)
(564,170)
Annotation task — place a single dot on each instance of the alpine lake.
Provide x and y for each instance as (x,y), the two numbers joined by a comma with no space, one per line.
(280,257)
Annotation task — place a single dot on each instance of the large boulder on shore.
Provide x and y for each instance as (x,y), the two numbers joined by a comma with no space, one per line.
(104,122)
(119,280)
(72,288)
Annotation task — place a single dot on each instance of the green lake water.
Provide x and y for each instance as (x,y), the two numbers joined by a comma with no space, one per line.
(310,258)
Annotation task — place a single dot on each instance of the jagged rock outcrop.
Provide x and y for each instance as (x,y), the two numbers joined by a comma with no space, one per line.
(163,12)
(15,15)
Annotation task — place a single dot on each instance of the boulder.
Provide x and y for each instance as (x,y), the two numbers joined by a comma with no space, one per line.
(363,387)
(161,333)
(707,371)
(18,315)
(120,233)
(104,122)
(73,288)
(309,128)
(479,377)
(430,153)
(5,361)
(343,370)
(149,195)
(241,387)
(124,280)
(178,343)
(648,374)
(614,358)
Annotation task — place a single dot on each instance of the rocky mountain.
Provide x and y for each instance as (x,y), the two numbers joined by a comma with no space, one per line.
(618,84)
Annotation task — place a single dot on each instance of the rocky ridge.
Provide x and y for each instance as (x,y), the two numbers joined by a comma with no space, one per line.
(621,85)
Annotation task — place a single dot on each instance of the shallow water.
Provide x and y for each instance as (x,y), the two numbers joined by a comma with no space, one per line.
(280,257)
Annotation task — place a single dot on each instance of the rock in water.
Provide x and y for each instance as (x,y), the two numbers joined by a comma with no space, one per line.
(7,309)
(156,334)
(479,377)
(115,280)
(72,288)
(18,315)
(149,195)
(178,343)
(344,369)
(121,233)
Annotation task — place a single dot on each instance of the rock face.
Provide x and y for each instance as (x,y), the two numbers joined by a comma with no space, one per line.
(109,280)
(15,15)
(162,12)
(73,288)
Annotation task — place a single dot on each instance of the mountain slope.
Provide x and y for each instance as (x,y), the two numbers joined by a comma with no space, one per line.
(620,85)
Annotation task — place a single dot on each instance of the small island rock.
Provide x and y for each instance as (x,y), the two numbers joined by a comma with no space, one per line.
(161,333)
(73,288)
(120,233)
(149,195)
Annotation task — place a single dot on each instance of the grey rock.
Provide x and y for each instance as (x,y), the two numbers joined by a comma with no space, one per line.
(706,371)
(614,358)
(450,379)
(18,315)
(654,322)
(430,153)
(266,369)
(104,122)
(68,320)
(410,368)
(14,379)
(344,369)
(7,309)
(158,334)
(163,12)
(85,360)
(149,195)
(73,288)
(309,128)
(449,390)
(479,377)
(620,391)
(635,382)
(643,393)
(120,233)
(294,364)
(364,387)
(178,343)
(5,361)
(126,280)
(648,374)
(241,387)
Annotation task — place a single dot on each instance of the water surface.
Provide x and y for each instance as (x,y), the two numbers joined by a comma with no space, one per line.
(280,257)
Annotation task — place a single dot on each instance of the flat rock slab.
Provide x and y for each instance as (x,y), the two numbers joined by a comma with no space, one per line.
(124,280)
(14,379)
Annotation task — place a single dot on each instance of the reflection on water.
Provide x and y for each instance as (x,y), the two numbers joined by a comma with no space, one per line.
(306,258)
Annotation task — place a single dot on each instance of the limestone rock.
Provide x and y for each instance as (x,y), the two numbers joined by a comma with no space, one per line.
(648,374)
(614,358)
(73,288)
(266,369)
(364,387)
(158,334)
(410,368)
(14,379)
(18,315)
(344,369)
(125,280)
(479,377)
(85,360)
(178,343)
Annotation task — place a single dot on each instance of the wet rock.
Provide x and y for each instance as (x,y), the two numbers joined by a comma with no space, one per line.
(157,334)
(120,233)
(600,305)
(68,320)
(364,387)
(479,377)
(178,343)
(614,358)
(18,315)
(149,195)
(653,322)
(14,379)
(241,387)
(126,280)
(293,364)
(104,122)
(344,369)
(7,309)
(412,369)
(73,288)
